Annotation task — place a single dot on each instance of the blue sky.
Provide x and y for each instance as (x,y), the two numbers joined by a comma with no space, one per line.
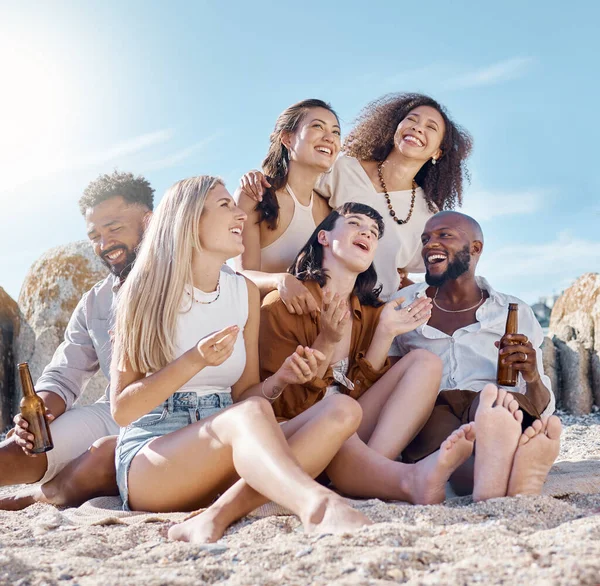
(176,89)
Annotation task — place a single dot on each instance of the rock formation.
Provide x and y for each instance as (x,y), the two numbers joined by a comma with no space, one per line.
(551,367)
(9,328)
(575,332)
(52,288)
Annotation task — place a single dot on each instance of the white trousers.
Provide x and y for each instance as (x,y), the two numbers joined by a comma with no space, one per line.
(75,431)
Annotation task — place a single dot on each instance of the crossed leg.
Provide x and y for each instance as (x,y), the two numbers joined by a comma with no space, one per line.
(246,440)
(359,471)
(394,410)
(314,438)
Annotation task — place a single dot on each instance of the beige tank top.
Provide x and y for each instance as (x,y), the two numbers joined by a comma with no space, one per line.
(279,255)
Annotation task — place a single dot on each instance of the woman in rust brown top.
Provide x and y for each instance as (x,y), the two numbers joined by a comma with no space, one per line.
(354,331)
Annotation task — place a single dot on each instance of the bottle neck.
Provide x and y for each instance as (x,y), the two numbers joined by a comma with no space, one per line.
(512,321)
(26,381)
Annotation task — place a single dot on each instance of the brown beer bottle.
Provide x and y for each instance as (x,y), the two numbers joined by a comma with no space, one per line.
(33,411)
(507,375)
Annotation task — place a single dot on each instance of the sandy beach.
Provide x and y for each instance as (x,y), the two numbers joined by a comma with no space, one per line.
(541,540)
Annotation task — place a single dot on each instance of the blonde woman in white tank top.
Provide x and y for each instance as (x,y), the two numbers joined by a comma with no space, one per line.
(186,347)
(303,145)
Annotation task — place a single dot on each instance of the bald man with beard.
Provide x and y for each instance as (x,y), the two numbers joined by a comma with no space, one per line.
(517,437)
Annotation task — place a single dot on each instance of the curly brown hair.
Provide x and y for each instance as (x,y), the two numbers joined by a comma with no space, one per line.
(372,139)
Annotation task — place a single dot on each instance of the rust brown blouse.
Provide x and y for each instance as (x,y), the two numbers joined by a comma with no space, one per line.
(281,332)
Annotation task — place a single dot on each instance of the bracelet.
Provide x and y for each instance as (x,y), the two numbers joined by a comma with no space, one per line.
(273,397)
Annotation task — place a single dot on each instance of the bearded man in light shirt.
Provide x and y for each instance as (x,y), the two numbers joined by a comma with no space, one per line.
(518,438)
(116,209)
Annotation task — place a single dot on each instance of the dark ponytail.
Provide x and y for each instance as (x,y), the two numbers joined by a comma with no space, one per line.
(276,164)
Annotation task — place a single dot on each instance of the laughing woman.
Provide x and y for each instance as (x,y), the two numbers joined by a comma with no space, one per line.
(354,331)
(187,346)
(303,145)
(404,157)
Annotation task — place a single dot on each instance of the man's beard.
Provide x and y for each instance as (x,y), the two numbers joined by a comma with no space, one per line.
(459,266)
(123,268)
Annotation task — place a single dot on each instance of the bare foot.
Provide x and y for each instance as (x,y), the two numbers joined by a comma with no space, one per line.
(200,527)
(498,423)
(22,499)
(538,448)
(427,484)
(333,515)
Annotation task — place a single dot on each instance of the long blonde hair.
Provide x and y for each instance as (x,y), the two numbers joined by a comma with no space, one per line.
(150,299)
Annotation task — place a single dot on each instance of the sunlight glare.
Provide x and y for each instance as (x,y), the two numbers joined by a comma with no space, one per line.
(34,113)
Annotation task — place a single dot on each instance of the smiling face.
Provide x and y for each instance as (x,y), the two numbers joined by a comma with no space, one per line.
(221,224)
(420,134)
(450,247)
(352,241)
(317,140)
(115,229)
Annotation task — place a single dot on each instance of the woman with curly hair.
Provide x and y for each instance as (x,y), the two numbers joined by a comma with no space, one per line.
(406,158)
(303,145)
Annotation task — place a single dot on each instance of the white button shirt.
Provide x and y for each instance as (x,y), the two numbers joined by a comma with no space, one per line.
(469,356)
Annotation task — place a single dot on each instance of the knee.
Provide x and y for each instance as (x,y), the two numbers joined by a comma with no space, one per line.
(343,412)
(254,407)
(94,468)
(427,360)
(104,448)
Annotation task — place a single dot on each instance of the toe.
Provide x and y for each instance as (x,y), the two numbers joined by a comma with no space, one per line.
(537,426)
(512,405)
(527,434)
(553,428)
(488,395)
(507,399)
(518,414)
(523,439)
(500,397)
(447,444)
(469,429)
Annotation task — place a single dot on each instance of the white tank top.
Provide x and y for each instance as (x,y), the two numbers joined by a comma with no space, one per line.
(197,320)
(279,255)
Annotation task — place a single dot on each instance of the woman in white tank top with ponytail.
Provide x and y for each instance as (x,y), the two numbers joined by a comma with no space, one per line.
(303,145)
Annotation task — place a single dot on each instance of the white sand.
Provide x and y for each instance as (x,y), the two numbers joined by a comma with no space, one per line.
(525,540)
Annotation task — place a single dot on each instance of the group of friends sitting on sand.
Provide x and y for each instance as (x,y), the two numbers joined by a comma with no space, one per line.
(316,357)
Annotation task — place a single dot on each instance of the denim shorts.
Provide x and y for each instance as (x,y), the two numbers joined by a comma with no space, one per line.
(179,410)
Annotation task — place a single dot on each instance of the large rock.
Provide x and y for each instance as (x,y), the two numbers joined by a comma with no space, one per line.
(52,288)
(574,364)
(551,367)
(575,330)
(9,328)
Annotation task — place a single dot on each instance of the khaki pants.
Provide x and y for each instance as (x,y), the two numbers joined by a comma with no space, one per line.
(452,409)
